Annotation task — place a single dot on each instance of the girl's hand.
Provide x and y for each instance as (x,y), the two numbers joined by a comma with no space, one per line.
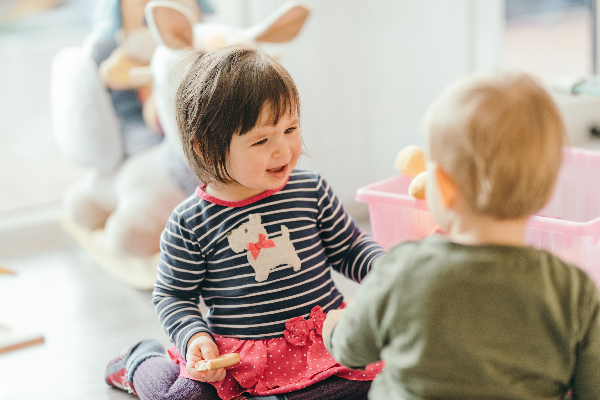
(202,347)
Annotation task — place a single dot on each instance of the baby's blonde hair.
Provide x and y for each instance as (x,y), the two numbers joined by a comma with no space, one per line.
(499,136)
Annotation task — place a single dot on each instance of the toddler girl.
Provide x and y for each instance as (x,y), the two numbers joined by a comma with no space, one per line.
(255,243)
(478,314)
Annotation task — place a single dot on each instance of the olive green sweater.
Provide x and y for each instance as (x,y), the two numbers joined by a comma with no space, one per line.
(473,322)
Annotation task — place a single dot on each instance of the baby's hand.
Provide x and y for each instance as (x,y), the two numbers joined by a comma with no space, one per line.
(202,347)
(331,320)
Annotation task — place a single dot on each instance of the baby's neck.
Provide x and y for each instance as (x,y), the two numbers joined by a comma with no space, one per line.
(478,230)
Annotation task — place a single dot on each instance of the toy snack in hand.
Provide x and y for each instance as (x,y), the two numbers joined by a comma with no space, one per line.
(226,360)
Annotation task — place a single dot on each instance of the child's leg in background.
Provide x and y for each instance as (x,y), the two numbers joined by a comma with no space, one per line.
(157,378)
(333,388)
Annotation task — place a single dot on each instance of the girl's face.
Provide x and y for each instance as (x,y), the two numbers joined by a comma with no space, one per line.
(262,158)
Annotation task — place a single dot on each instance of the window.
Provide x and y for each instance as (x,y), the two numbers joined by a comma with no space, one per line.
(33,171)
(550,38)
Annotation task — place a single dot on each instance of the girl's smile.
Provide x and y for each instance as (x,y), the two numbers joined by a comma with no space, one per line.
(279,171)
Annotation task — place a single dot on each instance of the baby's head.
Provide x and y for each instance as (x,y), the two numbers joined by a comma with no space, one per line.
(225,93)
(498,136)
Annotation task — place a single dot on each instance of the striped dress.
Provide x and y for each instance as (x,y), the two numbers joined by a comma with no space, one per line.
(256,263)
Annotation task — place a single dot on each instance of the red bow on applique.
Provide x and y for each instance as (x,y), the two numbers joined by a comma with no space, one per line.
(298,329)
(262,243)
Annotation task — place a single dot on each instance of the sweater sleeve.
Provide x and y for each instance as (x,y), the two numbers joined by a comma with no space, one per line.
(177,291)
(585,382)
(349,250)
(356,340)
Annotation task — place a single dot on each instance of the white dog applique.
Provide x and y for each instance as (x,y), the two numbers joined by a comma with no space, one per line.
(263,254)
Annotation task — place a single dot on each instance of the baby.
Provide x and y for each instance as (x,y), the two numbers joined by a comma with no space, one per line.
(477,314)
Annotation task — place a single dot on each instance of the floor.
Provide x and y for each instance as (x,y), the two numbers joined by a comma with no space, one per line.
(85,317)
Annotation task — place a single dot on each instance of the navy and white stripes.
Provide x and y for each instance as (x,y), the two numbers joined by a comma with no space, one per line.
(197,262)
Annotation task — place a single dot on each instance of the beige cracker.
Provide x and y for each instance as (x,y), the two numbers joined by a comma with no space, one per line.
(223,361)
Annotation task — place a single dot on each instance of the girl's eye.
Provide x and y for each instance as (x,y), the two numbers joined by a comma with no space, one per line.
(261,142)
(290,130)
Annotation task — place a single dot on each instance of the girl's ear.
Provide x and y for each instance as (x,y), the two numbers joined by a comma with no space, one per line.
(447,187)
(196,147)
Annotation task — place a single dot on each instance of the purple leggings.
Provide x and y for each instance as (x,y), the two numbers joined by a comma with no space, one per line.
(157,378)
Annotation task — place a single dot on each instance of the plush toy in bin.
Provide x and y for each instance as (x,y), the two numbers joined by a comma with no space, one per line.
(411,161)
(113,115)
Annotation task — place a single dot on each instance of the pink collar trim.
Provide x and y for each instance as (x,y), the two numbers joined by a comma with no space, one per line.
(204,196)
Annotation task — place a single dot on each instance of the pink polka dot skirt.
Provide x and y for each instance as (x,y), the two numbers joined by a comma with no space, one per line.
(280,365)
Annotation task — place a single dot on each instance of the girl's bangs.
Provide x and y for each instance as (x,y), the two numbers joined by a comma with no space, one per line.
(276,93)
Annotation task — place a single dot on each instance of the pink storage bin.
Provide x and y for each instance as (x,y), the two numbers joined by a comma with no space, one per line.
(567,226)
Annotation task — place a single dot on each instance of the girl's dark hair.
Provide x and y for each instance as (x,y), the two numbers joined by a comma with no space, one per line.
(223,94)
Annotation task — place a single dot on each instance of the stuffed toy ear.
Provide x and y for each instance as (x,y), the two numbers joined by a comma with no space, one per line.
(281,26)
(171,24)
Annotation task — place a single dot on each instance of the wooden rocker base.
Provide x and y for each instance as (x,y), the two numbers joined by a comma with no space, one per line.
(137,272)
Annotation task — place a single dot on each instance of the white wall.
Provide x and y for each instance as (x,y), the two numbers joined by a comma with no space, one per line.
(367,70)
